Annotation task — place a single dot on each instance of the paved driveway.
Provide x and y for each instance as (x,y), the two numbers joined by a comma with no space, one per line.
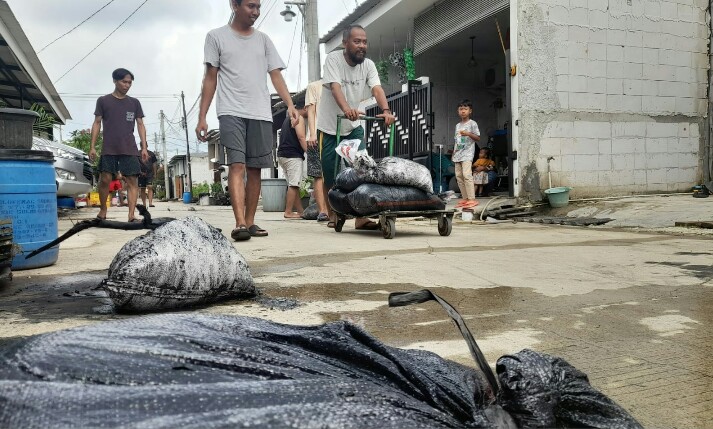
(632,310)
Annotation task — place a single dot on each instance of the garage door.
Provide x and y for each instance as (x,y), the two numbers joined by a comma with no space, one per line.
(451,17)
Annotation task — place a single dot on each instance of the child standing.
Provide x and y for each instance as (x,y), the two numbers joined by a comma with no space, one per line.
(467,134)
(483,167)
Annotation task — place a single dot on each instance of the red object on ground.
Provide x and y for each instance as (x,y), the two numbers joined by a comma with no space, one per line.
(115,185)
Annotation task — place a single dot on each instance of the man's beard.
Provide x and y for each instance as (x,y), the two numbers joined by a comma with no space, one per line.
(355,59)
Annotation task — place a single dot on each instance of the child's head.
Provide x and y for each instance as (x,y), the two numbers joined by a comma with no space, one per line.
(465,109)
(484,153)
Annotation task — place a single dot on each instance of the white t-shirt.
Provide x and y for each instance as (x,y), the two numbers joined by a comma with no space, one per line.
(464,148)
(244,62)
(314,96)
(357,83)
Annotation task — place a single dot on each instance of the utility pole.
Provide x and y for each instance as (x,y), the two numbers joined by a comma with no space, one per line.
(311,27)
(165,157)
(155,142)
(188,147)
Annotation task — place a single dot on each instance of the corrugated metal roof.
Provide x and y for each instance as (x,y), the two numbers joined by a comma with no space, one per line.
(360,11)
(22,76)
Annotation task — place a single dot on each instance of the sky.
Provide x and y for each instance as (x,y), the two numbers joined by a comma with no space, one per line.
(161,44)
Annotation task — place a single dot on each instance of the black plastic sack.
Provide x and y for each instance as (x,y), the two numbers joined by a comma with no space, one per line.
(539,390)
(348,180)
(311,212)
(339,202)
(394,171)
(209,371)
(536,390)
(369,199)
(182,263)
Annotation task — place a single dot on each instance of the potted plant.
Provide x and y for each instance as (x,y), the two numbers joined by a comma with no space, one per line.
(306,190)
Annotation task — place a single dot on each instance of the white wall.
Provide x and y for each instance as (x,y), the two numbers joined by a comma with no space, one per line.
(615,91)
(201,170)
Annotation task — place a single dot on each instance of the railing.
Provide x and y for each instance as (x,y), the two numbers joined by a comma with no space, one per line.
(413,128)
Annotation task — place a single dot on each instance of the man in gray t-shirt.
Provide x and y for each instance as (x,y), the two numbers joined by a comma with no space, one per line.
(237,59)
(349,78)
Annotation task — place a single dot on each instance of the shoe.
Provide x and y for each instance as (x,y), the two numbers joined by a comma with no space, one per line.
(256,231)
(460,203)
(322,217)
(240,233)
(151,205)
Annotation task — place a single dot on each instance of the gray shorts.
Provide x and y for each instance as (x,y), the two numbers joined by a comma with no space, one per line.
(314,163)
(127,165)
(247,141)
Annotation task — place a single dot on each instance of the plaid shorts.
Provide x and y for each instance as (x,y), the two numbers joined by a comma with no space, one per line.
(314,163)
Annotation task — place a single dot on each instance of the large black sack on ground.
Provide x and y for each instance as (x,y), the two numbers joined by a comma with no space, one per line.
(311,212)
(539,390)
(183,263)
(348,180)
(339,202)
(396,171)
(370,198)
(210,371)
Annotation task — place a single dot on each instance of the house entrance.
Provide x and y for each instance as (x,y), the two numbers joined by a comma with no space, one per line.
(472,64)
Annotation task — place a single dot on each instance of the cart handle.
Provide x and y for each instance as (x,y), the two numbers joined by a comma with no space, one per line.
(364,118)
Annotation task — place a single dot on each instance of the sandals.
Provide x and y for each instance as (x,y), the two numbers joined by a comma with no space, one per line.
(369,226)
(256,231)
(331,224)
(240,233)
(323,217)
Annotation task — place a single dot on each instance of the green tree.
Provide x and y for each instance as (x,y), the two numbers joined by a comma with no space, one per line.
(82,140)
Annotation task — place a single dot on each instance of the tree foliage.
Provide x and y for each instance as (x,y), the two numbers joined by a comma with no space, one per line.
(44,122)
(82,140)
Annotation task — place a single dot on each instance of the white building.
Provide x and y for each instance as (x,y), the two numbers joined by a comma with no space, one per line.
(201,172)
(613,92)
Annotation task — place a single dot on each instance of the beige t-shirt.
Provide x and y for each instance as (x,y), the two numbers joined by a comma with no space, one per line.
(313,97)
(357,83)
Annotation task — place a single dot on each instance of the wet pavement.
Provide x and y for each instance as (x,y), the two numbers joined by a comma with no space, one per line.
(630,309)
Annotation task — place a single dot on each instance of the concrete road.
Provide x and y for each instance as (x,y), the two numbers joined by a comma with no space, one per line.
(630,309)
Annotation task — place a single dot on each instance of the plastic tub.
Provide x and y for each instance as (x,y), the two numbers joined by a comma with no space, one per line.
(558,197)
(274,192)
(28,196)
(187,197)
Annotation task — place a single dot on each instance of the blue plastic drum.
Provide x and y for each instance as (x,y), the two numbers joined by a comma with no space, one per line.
(28,196)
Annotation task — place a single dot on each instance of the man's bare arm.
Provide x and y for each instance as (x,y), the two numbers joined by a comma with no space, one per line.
(278,81)
(96,129)
(378,93)
(300,131)
(210,83)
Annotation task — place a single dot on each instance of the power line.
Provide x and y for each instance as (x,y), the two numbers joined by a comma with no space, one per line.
(346,7)
(77,26)
(104,40)
(294,32)
(267,13)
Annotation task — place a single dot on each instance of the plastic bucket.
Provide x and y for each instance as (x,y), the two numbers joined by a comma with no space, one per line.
(187,197)
(28,196)
(274,192)
(558,197)
(16,128)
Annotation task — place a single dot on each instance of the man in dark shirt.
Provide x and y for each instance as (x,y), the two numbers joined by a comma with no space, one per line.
(118,112)
(148,171)
(290,155)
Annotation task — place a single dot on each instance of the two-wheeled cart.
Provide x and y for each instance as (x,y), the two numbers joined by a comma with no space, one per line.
(387,219)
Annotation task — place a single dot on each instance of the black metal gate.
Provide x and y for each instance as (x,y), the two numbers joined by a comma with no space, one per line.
(413,133)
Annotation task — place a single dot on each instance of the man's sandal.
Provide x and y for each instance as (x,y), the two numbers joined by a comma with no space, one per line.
(240,233)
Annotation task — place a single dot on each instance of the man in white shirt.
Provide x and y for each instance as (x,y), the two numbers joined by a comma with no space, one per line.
(237,58)
(349,78)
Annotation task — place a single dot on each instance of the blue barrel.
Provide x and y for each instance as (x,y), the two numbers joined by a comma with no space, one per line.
(187,197)
(28,196)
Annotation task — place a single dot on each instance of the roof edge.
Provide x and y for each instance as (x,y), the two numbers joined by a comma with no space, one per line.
(360,11)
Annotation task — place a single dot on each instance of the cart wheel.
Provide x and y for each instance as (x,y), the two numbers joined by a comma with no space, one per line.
(445,225)
(340,223)
(388,228)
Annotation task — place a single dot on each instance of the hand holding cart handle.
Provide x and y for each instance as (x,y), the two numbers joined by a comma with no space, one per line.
(368,118)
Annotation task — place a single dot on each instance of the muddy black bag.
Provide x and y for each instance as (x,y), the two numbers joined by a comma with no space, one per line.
(182,263)
(395,171)
(339,202)
(311,212)
(348,180)
(369,199)
(205,371)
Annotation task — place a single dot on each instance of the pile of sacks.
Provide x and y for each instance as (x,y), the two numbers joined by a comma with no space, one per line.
(392,184)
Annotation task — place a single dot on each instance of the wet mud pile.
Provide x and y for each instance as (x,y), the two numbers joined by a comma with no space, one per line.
(182,263)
